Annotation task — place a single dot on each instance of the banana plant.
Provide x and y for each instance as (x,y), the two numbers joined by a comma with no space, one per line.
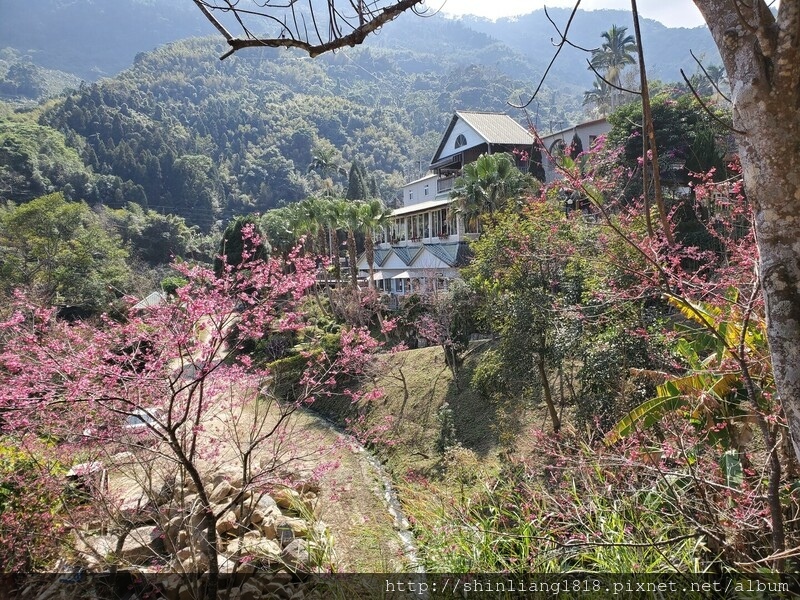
(711,394)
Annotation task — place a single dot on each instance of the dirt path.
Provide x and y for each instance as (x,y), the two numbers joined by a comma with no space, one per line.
(360,529)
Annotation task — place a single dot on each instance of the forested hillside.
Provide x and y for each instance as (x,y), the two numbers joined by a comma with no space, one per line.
(182,132)
(98,39)
(95,39)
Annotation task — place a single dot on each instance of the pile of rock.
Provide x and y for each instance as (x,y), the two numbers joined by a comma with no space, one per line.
(168,531)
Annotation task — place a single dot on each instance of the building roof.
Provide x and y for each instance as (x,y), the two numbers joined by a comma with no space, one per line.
(572,128)
(152,299)
(494,128)
(407,253)
(452,254)
(425,177)
(422,206)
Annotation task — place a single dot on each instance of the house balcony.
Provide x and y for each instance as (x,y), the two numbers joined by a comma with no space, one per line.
(428,239)
(445,184)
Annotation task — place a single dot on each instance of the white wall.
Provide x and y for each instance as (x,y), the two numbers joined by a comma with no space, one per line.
(414,192)
(587,132)
(461,128)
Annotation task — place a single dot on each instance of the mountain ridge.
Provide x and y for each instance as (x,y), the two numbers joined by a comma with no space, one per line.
(91,43)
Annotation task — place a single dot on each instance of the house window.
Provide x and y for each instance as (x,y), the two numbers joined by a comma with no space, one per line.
(399,230)
(461,140)
(410,194)
(426,189)
(414,230)
(440,226)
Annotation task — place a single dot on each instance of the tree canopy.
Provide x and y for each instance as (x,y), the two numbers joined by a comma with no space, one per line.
(60,253)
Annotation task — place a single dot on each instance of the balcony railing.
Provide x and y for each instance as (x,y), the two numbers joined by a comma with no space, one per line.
(445,184)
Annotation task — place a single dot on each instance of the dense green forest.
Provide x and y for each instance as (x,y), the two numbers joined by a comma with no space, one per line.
(183,133)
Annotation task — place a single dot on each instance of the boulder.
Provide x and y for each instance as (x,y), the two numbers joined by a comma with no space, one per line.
(196,563)
(227,524)
(256,517)
(142,544)
(229,475)
(171,585)
(296,554)
(221,492)
(189,484)
(286,498)
(183,539)
(265,503)
(229,564)
(277,589)
(298,527)
(261,548)
(172,529)
(249,537)
(310,486)
(247,591)
(188,500)
(186,593)
(137,509)
(93,549)
(267,528)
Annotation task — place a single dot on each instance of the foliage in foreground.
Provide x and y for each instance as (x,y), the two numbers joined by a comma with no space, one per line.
(572,509)
(176,370)
(667,345)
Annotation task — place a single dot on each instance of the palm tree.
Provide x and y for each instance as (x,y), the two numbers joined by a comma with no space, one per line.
(351,219)
(616,53)
(326,164)
(373,214)
(600,96)
(308,220)
(487,184)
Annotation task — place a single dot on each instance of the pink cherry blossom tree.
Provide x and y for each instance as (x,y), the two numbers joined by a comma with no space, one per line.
(167,395)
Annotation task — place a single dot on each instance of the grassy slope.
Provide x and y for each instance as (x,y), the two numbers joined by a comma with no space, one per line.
(417,384)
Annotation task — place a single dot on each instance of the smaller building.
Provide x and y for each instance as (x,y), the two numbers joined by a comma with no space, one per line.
(557,142)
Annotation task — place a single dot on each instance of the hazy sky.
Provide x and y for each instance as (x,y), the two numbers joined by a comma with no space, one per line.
(673,13)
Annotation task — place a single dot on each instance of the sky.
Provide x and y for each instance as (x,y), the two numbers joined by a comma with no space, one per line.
(672,13)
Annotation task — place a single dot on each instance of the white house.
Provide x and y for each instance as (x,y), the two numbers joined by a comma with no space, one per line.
(425,243)
(555,143)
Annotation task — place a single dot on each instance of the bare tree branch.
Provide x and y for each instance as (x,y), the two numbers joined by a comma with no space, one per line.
(710,80)
(706,109)
(564,35)
(559,46)
(616,87)
(345,22)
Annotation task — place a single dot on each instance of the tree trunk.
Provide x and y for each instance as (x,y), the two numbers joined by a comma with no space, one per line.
(369,249)
(548,394)
(351,255)
(762,59)
(649,143)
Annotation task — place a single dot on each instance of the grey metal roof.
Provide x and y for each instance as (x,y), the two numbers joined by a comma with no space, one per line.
(381,254)
(497,128)
(420,207)
(407,253)
(494,128)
